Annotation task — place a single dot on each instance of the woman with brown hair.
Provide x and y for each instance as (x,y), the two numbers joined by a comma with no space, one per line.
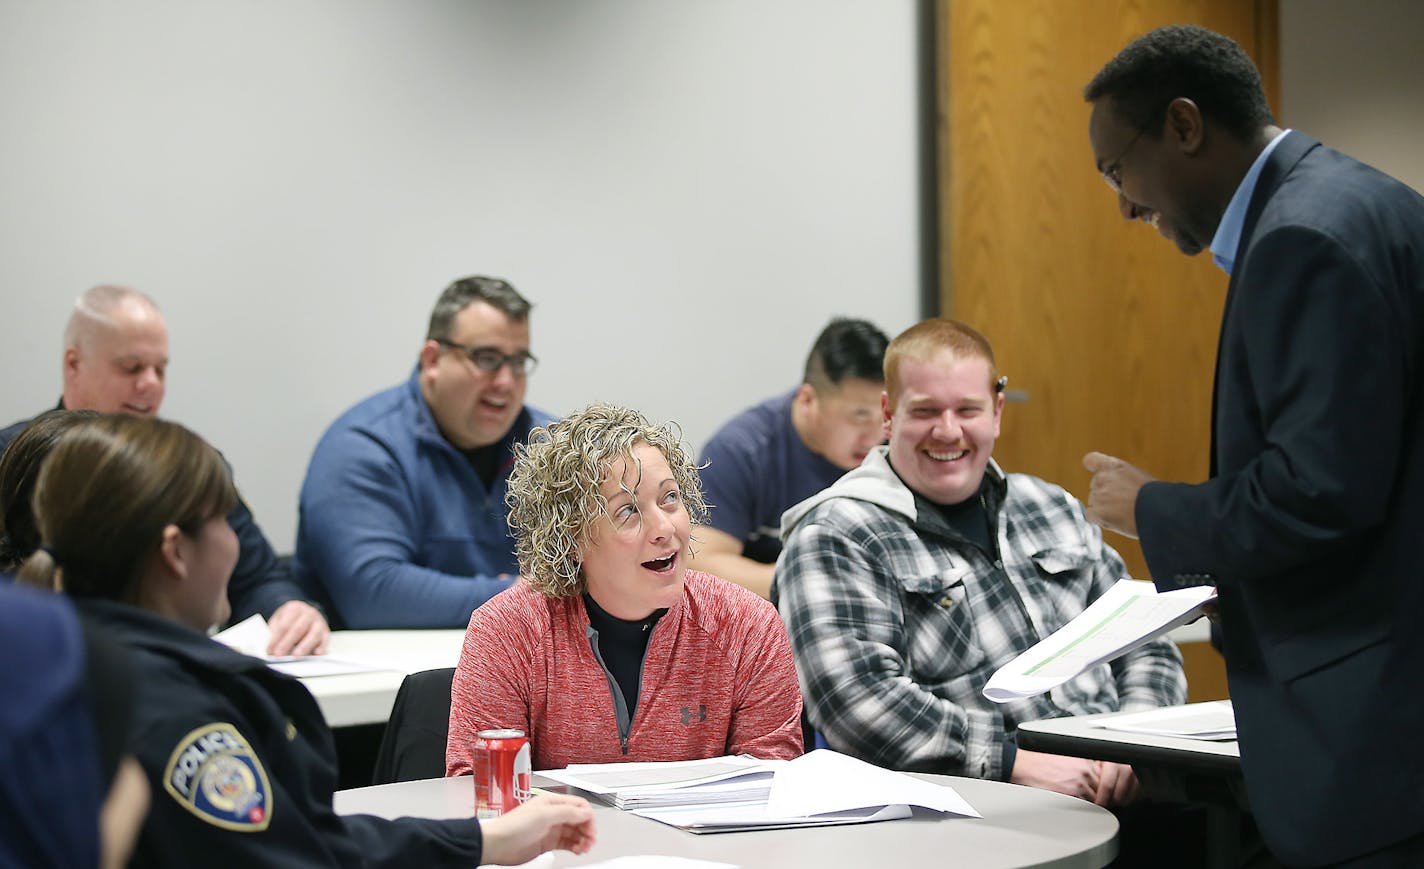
(19,468)
(131,514)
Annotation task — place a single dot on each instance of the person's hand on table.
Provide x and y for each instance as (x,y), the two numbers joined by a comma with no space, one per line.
(1074,776)
(1112,497)
(298,628)
(546,823)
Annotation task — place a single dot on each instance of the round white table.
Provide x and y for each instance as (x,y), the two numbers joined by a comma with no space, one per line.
(1021,827)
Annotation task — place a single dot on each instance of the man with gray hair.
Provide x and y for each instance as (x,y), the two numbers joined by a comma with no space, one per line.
(402,516)
(115,352)
(115,361)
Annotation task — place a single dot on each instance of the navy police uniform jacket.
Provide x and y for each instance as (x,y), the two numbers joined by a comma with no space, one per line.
(242,765)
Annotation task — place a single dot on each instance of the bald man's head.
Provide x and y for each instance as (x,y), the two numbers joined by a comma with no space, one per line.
(115,353)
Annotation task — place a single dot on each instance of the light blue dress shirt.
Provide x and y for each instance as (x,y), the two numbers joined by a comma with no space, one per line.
(1228,232)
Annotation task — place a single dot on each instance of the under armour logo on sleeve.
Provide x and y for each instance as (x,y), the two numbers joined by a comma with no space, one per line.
(689,715)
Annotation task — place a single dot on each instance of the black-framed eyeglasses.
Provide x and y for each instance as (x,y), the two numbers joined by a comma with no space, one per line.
(1112,173)
(490,360)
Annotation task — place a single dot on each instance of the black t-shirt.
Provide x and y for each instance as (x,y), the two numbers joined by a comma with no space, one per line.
(485,461)
(970,519)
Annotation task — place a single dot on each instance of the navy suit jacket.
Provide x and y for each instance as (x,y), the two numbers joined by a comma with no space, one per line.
(1309,521)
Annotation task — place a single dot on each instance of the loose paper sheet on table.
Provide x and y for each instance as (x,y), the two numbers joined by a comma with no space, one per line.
(1213,721)
(816,789)
(251,636)
(826,781)
(742,817)
(632,861)
(1130,614)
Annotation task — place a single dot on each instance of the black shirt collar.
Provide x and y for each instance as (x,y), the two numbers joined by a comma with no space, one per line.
(620,630)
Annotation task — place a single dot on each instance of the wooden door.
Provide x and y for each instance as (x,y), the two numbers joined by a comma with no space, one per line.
(1104,329)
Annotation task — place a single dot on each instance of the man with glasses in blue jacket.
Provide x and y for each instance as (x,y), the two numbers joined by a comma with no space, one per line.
(402,514)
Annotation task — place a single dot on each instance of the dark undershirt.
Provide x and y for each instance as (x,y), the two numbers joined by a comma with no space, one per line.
(622,644)
(485,461)
(970,519)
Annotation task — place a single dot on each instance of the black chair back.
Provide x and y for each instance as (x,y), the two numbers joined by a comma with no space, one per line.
(413,746)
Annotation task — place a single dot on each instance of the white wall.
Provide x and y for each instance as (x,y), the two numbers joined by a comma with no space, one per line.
(686,190)
(1350,74)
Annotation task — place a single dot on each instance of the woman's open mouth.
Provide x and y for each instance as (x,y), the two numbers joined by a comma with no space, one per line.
(661,565)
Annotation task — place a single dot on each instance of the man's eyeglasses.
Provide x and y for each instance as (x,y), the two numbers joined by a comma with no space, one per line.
(1112,173)
(490,360)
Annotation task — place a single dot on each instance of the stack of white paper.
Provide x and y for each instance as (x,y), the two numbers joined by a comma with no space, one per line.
(749,787)
(1128,615)
(694,782)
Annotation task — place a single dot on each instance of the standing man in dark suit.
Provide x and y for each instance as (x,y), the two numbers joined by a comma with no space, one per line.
(1308,522)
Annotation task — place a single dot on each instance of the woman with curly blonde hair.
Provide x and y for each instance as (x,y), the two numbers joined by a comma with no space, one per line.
(609,648)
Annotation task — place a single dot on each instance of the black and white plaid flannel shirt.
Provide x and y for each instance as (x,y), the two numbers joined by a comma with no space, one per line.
(898,622)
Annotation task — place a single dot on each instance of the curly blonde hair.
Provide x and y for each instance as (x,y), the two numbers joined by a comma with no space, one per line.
(555,490)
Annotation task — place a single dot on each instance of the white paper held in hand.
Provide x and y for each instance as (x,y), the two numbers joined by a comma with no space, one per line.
(249,636)
(1128,615)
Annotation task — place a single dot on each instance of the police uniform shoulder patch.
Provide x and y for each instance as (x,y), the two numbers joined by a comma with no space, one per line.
(215,775)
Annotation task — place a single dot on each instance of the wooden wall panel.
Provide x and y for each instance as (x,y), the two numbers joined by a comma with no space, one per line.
(1106,327)
(1206,672)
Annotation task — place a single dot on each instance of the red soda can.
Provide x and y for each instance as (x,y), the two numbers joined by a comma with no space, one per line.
(501,771)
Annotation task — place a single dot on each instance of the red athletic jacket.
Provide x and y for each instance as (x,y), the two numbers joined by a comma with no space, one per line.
(718,678)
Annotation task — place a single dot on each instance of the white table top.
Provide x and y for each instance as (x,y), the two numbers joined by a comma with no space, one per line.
(1085,736)
(1021,827)
(366,698)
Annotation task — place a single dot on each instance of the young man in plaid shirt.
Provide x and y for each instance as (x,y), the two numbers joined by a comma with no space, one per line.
(906,584)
